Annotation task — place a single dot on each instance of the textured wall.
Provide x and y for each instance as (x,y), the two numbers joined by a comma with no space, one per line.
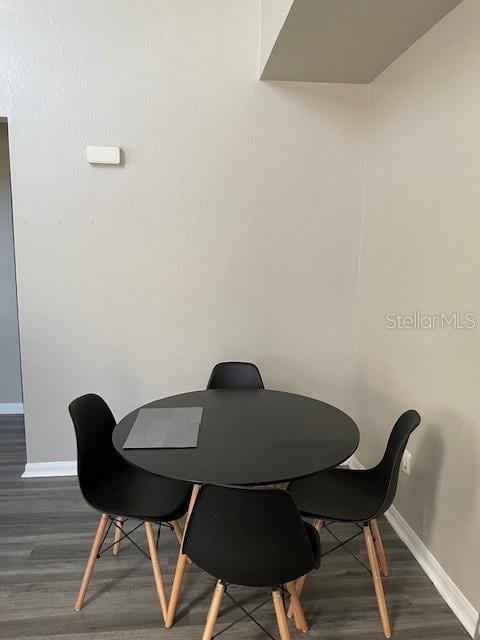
(10,382)
(231,231)
(420,253)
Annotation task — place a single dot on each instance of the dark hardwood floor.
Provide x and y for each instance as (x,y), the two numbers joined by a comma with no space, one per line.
(45,533)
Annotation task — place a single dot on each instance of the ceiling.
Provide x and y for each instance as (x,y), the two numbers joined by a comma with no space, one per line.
(347,40)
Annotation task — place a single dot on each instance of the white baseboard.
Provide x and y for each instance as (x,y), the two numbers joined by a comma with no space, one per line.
(449,591)
(11,408)
(458,603)
(50,469)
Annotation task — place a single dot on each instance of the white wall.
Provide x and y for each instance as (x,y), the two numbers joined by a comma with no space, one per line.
(232,230)
(420,252)
(273,14)
(10,382)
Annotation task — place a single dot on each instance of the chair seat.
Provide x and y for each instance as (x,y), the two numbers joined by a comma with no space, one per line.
(266,574)
(250,537)
(314,539)
(235,375)
(339,494)
(132,493)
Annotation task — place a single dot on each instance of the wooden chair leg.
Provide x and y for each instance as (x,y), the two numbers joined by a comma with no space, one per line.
(377,581)
(281,617)
(157,572)
(177,528)
(180,568)
(318,524)
(377,540)
(299,588)
(213,611)
(95,548)
(118,535)
(298,614)
(178,531)
(176,586)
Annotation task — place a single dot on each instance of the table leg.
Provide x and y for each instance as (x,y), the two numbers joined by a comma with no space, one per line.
(181,564)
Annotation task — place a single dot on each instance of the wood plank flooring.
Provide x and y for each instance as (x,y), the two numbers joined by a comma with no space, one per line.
(45,533)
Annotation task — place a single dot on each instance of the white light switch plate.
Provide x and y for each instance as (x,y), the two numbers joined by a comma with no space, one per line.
(103,155)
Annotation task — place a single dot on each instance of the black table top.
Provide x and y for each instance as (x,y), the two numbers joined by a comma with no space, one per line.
(249,437)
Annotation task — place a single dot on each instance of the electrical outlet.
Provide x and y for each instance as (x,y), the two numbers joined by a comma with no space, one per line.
(407,462)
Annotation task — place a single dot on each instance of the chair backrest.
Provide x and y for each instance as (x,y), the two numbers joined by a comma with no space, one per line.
(246,536)
(235,375)
(93,422)
(388,468)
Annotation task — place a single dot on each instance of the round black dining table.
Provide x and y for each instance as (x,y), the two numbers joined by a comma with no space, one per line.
(249,437)
(246,437)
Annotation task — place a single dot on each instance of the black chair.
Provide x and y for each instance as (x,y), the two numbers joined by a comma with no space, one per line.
(255,538)
(120,491)
(359,496)
(235,375)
